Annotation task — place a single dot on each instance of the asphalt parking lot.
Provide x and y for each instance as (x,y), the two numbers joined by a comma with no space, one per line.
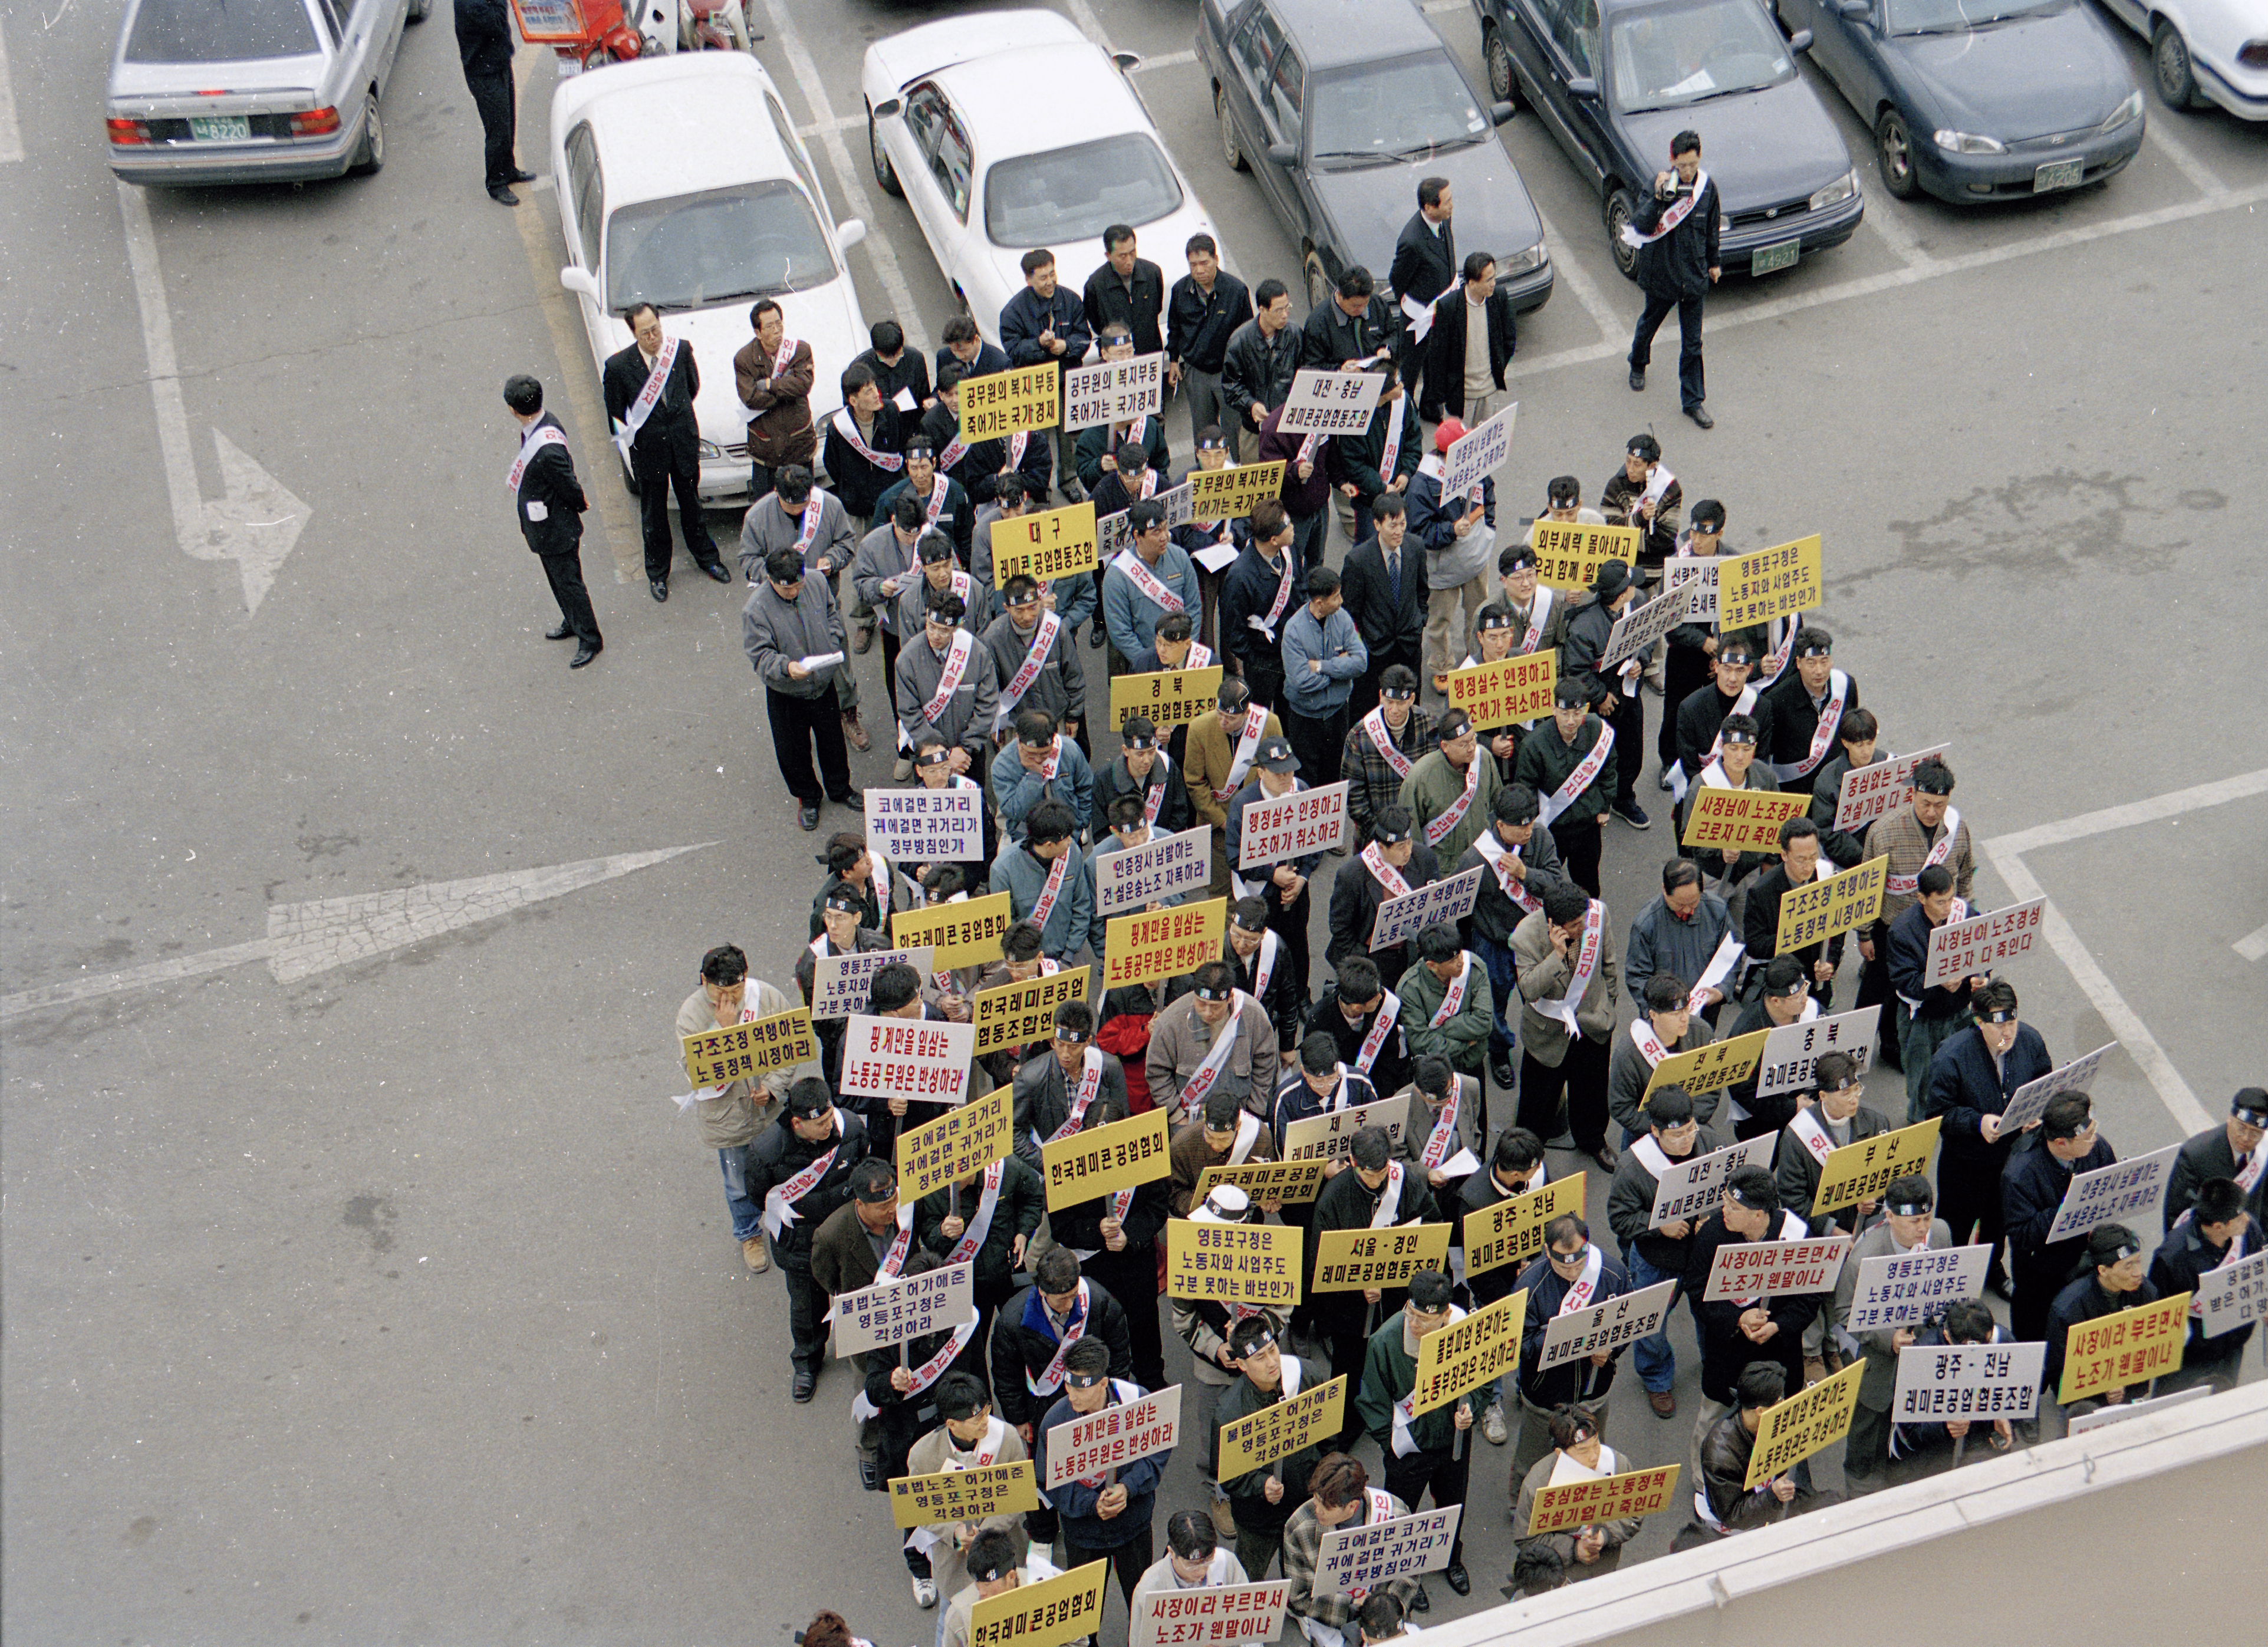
(361,1283)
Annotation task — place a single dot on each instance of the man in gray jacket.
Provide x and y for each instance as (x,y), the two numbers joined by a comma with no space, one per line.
(1908,1226)
(885,565)
(794,634)
(945,679)
(1570,979)
(809,519)
(1685,931)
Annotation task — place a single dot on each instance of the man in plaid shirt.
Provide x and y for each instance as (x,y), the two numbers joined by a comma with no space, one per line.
(1340,1496)
(1376,779)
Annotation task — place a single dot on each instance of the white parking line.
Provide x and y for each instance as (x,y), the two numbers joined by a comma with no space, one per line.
(2253,945)
(1165,60)
(2186,163)
(1089,25)
(1612,322)
(11,136)
(1892,229)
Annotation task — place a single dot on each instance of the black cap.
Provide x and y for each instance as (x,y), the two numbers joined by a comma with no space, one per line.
(1734,1190)
(1613,579)
(1276,754)
(1733,650)
(1795,986)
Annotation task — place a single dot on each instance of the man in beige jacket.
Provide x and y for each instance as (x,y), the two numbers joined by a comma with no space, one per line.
(1570,976)
(732,1115)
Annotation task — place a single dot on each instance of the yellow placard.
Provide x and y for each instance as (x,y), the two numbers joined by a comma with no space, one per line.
(743,1052)
(1053,543)
(1289,1182)
(1863,1169)
(1258,1439)
(1508,690)
(1739,820)
(963,1140)
(1169,697)
(1809,1421)
(1568,553)
(1234,1264)
(973,1494)
(1710,1068)
(2131,1346)
(1476,1351)
(965,934)
(1818,910)
(1229,494)
(1045,1614)
(1147,944)
(1623,1497)
(1512,1232)
(1103,1159)
(1004,403)
(1011,1014)
(1348,1261)
(1767,584)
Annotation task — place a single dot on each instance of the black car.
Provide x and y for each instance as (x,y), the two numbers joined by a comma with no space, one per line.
(1979,100)
(1339,108)
(1617,79)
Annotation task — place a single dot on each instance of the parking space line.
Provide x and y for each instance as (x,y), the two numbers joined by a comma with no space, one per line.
(1165,60)
(2253,945)
(2195,798)
(1089,25)
(1887,223)
(11,135)
(2184,161)
(1611,322)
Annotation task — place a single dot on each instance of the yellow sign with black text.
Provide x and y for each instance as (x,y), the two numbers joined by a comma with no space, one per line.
(1739,820)
(1861,1171)
(1053,543)
(1229,494)
(1713,1068)
(1289,1182)
(1455,1360)
(962,1141)
(2132,1347)
(743,1052)
(1234,1264)
(1350,1261)
(1004,403)
(1013,1014)
(964,934)
(1603,1498)
(1168,697)
(1818,910)
(1809,1421)
(1103,1159)
(1512,1232)
(974,1495)
(1509,690)
(1147,944)
(1569,553)
(1278,1430)
(1768,584)
(1049,1613)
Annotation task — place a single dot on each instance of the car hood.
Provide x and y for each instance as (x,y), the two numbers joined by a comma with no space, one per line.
(1761,147)
(996,273)
(826,318)
(2015,80)
(1368,205)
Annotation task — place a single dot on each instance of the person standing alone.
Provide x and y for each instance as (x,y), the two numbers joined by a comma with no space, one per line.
(650,388)
(550,505)
(484,45)
(1675,231)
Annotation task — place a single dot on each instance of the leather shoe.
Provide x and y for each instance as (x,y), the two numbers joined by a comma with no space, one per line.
(1605,1155)
(1700,415)
(519,176)
(852,798)
(716,570)
(1638,378)
(807,1385)
(503,196)
(1094,636)
(2001,1288)
(584,654)
(559,631)
(1458,1578)
(1507,1078)
(1421,1602)
(659,586)
(1664,1403)
(808,814)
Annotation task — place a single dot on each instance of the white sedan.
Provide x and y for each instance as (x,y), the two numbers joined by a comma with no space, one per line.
(1008,130)
(683,184)
(2205,51)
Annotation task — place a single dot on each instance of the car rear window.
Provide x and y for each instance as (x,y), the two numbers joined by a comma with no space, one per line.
(220,31)
(1075,194)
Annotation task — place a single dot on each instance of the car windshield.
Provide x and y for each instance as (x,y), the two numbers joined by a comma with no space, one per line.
(750,241)
(1394,110)
(1958,17)
(1075,194)
(220,31)
(1675,55)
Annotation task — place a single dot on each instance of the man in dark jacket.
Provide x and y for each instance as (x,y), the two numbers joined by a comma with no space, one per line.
(1353,325)
(1255,374)
(1798,866)
(1613,695)
(791,619)
(484,45)
(773,374)
(1127,289)
(1674,229)
(901,373)
(2032,1189)
(658,431)
(1384,583)
(800,1173)
(1029,1331)
(1450,379)
(1737,1331)
(1045,325)
(1105,1517)
(1378,463)
(551,506)
(1203,312)
(1424,267)
(1972,1078)
(1726,1503)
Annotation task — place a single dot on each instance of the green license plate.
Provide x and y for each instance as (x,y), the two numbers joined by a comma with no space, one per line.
(2059,174)
(220,129)
(1770,258)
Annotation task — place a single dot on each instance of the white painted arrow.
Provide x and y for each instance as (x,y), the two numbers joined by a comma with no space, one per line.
(257,519)
(306,939)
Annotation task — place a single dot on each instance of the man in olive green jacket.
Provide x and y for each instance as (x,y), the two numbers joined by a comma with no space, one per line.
(1570,979)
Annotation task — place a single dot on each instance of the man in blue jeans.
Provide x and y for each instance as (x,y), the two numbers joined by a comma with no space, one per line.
(1651,1254)
(1521,860)
(733,1115)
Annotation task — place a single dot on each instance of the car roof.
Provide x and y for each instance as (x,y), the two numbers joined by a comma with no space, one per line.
(1331,33)
(677,124)
(1034,100)
(917,53)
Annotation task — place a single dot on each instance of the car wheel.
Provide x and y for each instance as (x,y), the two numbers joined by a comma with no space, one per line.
(1893,155)
(1503,85)
(2169,65)
(1318,283)
(885,175)
(1231,151)
(371,155)
(1618,216)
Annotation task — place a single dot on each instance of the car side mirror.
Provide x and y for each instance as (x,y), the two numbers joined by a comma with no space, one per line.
(848,232)
(1801,40)
(1499,113)
(888,108)
(1127,61)
(579,282)
(1283,154)
(1583,86)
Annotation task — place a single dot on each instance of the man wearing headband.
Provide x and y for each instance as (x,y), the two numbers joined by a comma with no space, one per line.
(1223,1134)
(1174,647)
(732,1114)
(1837,1114)
(1027,1338)
(887,565)
(791,630)
(840,911)
(1446,994)
(1922,1448)
(1666,1024)
(1206,1326)
(1701,713)
(1574,784)
(1073,597)
(1255,955)
(1286,882)
(1494,640)
(1563,501)
(1370,1191)
(1184,1037)
(1116,1236)
(1799,864)
(1103,449)
(944,680)
(1736,1331)
(1539,613)
(1518,859)
(1643,493)
(2219,1228)
(1855,746)
(1570,981)
(851,867)
(1515,1167)
(2113,1276)
(969,1436)
(816,1144)
(1572,1273)
(2031,1190)
(1655,1254)
(1782,997)
(776,521)
(1383,597)
(1928,1014)
(1428,1451)
(1339,1495)
(2237,1149)
(1383,742)
(1106,1517)
(1351,1010)
(1043,764)
(1261,1500)
(994,1570)
(1451,791)
(947,507)
(1448,1122)
(1576,1454)
(1221,748)
(1690,653)
(1926,831)
(977,469)
(1318,1084)
(1686,929)
(1195,1559)
(1908,1224)
(1144,583)
(1055,1079)
(1971,1079)
(1030,678)
(1734,767)
(1723,1502)
(1259,592)
(1150,776)
(1613,695)
(1807,706)
(1394,862)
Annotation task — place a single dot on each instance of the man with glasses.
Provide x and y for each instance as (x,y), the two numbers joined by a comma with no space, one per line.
(1573,1274)
(1035,662)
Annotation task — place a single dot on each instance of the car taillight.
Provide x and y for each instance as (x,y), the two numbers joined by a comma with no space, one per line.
(128,131)
(315,123)
(2253,53)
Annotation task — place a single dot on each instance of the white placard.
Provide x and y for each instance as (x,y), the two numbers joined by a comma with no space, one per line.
(1333,402)
(1907,1289)
(1793,1051)
(1480,453)
(1939,1383)
(924,826)
(1363,1555)
(1869,792)
(1292,825)
(910,1306)
(2030,1101)
(1697,573)
(1399,920)
(1113,391)
(1691,1189)
(1115,1437)
(1114,535)
(2125,1410)
(1766,1269)
(1608,1326)
(1982,942)
(2116,1194)
(1128,878)
(2230,1296)
(841,984)
(907,1057)
(1330,1137)
(1217,1615)
(1640,627)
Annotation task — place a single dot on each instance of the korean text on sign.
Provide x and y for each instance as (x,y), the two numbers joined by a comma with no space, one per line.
(957,1144)
(2132,1347)
(1907,1289)
(1113,391)
(1216,1615)
(1053,543)
(1697,573)
(1454,1361)
(1153,944)
(1508,691)
(1793,1051)
(1753,589)
(1131,877)
(1295,825)
(1938,1383)
(1330,1137)
(1766,1269)
(1739,820)
(1604,1328)
(908,1306)
(1959,948)
(1861,1169)
(1400,919)
(1114,1437)
(1234,1264)
(743,1052)
(1258,1439)
(2124,1192)
(1691,1189)
(1512,1232)
(1103,1159)
(1361,1558)
(1640,626)
(1167,698)
(1289,1182)
(921,826)
(1869,792)
(1810,1421)
(1569,553)
(1013,1014)
(1348,1261)
(970,1495)
(1479,453)
(1229,494)
(843,984)
(1818,910)
(899,1057)
(1049,1613)
(1330,402)
(1004,403)
(1710,1068)
(1625,1497)
(2230,1295)
(2031,1100)
(963,934)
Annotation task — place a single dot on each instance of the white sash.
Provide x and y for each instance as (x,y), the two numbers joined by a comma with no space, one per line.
(649,396)
(1017,442)
(1720,967)
(1247,745)
(2248,1175)
(1266,625)
(1907,885)
(1154,796)
(941,489)
(1050,1379)
(1390,1009)
(1405,1410)
(1651,1155)
(1443,1139)
(1216,1060)
(1387,875)
(1393,449)
(779,1213)
(1200,656)
(1744,704)
(1679,210)
(1587,963)
(948,679)
(1496,855)
(1539,614)
(900,1243)
(1822,736)
(1374,725)
(813,512)
(925,1375)
(1307,449)
(1090,1082)
(1642,1037)
(783,357)
(1389,1195)
(847,426)
(1050,892)
(1440,828)
(1263,964)
(1811,1133)
(1035,660)
(538,437)
(955,450)
(1454,996)
(972,1237)
(1579,1296)
(1247,1134)
(1132,566)
(1778,662)
(1420,313)
(1581,778)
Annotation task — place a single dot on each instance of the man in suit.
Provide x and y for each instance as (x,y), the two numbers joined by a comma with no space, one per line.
(1472,341)
(1425,268)
(484,45)
(1675,231)
(1385,587)
(650,387)
(551,506)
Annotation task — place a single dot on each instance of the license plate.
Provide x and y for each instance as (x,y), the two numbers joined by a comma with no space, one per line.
(220,129)
(1768,258)
(2059,174)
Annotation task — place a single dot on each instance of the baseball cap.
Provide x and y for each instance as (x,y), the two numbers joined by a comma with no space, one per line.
(1276,754)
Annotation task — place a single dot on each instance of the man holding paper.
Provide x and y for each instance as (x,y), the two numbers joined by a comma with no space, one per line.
(1424,1452)
(1971,1079)
(793,637)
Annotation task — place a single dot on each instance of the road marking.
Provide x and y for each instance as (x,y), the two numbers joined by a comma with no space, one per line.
(256,520)
(1166,60)
(1611,322)
(2254,945)
(878,250)
(11,136)
(306,939)
(2195,798)
(2187,163)
(1089,25)
(1887,223)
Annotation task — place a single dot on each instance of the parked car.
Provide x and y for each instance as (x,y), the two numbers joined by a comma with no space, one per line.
(2205,51)
(1979,100)
(1615,79)
(252,90)
(683,183)
(1339,108)
(1005,131)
